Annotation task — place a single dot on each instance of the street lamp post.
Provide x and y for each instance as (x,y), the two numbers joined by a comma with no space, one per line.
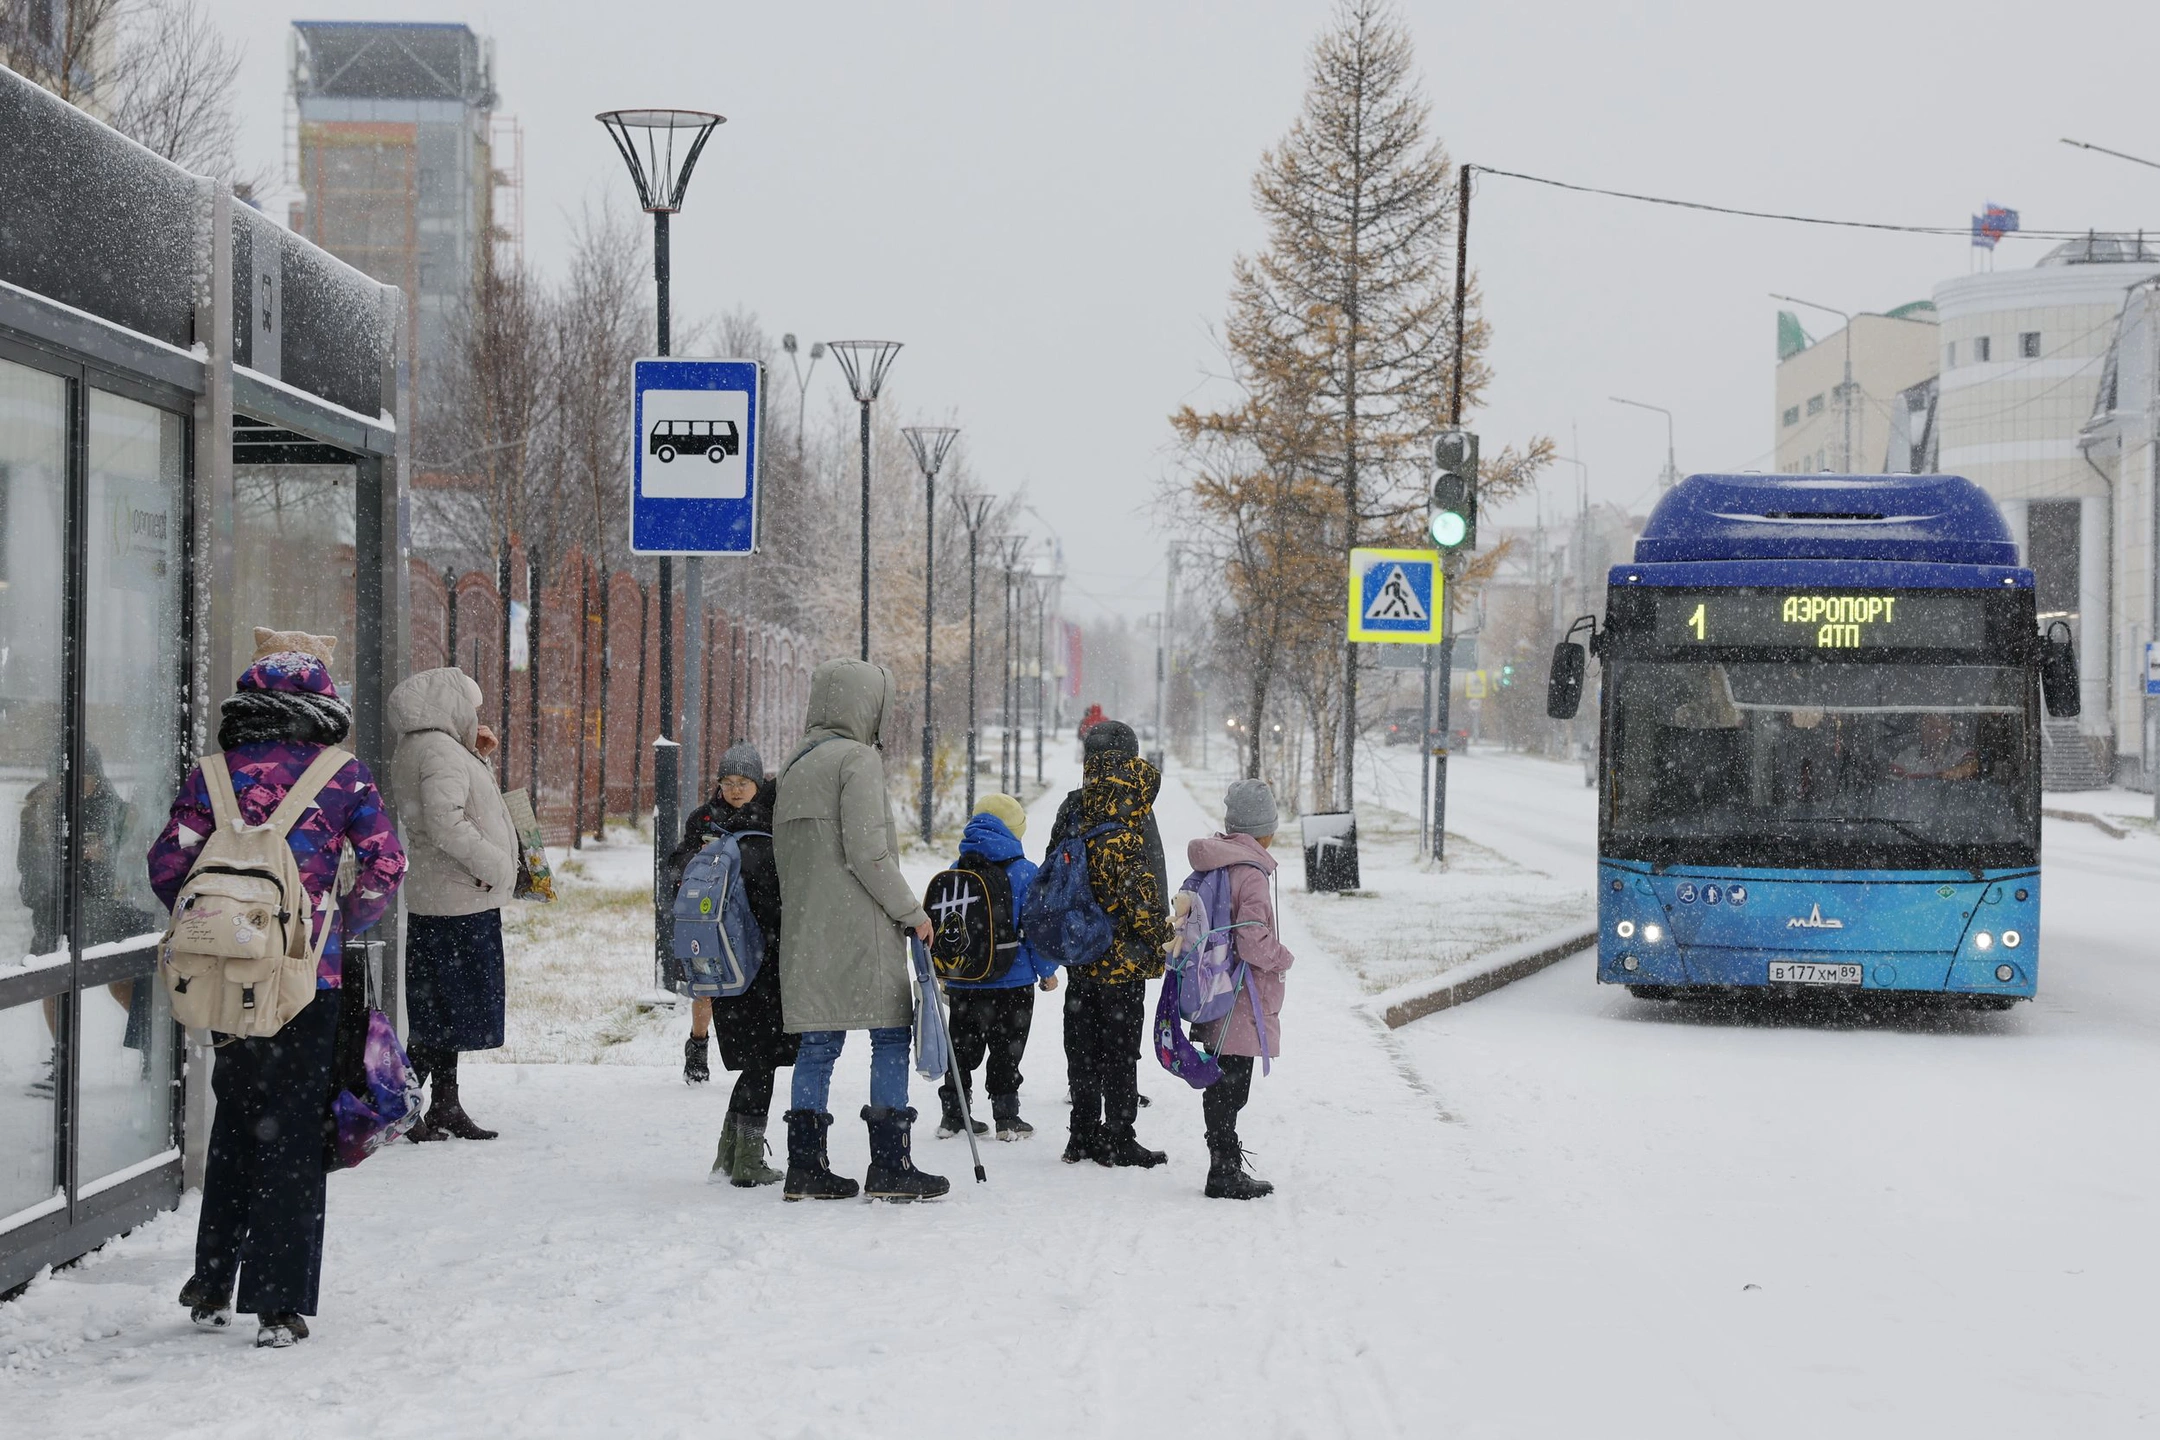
(1672,471)
(802,388)
(647,140)
(1008,748)
(865,362)
(974,510)
(1042,695)
(929,442)
(1845,391)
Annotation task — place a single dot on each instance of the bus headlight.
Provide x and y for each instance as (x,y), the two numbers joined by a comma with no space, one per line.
(1625,929)
(2005,973)
(1983,941)
(2011,939)
(1653,933)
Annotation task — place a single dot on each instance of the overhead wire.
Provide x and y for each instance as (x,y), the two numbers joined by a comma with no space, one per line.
(1789,218)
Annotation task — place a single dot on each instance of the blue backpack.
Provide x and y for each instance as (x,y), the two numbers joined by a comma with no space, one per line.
(1062,917)
(717,938)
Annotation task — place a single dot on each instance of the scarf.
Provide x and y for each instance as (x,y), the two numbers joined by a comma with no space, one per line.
(252,717)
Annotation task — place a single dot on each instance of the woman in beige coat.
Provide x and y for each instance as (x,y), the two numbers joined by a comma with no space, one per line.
(464,857)
(843,953)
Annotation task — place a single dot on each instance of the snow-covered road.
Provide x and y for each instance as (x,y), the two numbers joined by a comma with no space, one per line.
(1555,1211)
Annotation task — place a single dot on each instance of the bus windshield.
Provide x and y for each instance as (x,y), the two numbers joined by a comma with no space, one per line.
(1831,764)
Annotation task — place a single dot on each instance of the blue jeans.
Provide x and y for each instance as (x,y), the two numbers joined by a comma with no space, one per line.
(812,1085)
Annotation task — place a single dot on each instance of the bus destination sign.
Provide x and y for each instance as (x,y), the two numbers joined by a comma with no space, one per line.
(1821,620)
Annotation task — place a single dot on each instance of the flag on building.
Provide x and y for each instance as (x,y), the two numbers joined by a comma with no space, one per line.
(1991,224)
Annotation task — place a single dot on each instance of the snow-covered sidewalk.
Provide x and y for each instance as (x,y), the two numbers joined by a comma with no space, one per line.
(1553,1212)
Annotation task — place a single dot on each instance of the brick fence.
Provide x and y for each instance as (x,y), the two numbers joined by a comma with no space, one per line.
(598,684)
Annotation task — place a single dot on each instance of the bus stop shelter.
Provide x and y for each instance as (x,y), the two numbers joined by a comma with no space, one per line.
(198,435)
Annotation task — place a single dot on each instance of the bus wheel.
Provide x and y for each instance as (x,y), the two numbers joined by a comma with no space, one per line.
(666,454)
(717,454)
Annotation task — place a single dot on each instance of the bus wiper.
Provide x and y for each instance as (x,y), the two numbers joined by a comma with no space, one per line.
(1898,825)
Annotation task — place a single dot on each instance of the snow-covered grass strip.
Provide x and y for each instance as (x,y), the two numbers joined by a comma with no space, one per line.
(1398,1007)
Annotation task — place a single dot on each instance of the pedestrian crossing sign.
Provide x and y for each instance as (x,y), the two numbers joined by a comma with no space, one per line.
(1396,596)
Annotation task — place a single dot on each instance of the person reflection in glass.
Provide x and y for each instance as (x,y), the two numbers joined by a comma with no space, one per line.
(1939,752)
(106,913)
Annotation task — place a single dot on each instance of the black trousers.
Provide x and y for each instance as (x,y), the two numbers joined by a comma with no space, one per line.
(752,1095)
(1221,1101)
(1103,1026)
(992,1024)
(262,1207)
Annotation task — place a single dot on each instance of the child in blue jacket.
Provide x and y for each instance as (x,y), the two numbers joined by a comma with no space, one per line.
(994,1015)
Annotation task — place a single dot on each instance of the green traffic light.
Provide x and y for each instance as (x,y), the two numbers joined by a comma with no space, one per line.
(1448,529)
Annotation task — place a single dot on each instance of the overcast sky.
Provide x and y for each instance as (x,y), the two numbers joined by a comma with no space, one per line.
(1043,201)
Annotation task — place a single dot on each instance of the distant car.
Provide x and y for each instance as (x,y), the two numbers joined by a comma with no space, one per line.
(715,439)
(1400,728)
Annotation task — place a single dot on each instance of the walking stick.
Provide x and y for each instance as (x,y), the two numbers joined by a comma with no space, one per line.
(952,1056)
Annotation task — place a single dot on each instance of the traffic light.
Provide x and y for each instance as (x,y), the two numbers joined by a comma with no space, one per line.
(1507,675)
(1452,516)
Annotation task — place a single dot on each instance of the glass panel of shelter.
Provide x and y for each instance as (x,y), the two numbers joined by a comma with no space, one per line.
(33,506)
(293,536)
(133,707)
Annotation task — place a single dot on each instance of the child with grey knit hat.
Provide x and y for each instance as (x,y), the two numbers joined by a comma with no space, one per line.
(1253,1028)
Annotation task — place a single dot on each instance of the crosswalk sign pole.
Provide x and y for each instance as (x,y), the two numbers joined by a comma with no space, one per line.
(1443,682)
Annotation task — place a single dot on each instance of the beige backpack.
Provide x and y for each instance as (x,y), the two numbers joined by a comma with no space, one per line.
(236,956)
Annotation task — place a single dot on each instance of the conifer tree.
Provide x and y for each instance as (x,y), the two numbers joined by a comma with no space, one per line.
(1348,307)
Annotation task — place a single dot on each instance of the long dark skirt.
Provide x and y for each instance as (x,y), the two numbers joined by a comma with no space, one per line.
(454,981)
(748,1025)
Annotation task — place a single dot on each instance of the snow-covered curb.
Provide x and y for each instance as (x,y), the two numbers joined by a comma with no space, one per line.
(1398,1007)
(2105,827)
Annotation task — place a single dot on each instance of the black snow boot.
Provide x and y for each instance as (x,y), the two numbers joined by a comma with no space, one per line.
(1009,1124)
(1086,1133)
(809,1173)
(209,1305)
(951,1118)
(893,1175)
(1124,1150)
(279,1330)
(696,1069)
(1227,1178)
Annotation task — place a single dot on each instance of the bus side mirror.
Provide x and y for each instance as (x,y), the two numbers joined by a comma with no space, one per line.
(2059,672)
(1563,691)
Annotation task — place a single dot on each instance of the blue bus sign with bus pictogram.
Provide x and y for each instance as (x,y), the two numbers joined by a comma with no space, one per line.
(1397,597)
(694,457)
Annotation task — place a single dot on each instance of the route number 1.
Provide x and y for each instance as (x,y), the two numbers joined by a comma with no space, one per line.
(1696,621)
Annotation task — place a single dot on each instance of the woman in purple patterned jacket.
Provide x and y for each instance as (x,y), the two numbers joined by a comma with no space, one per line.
(262,1211)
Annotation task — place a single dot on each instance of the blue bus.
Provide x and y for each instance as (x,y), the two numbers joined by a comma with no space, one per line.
(1819,742)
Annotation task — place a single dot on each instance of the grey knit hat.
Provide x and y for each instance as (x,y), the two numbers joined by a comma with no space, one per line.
(742,759)
(1249,809)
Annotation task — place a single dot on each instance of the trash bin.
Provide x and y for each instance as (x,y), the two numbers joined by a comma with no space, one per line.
(1330,852)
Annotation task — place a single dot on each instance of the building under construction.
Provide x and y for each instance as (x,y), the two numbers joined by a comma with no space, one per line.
(394,157)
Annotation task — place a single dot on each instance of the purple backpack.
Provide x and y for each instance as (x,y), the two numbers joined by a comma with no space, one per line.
(1202,981)
(374,1095)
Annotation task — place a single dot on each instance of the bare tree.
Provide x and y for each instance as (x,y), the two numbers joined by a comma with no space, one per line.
(159,71)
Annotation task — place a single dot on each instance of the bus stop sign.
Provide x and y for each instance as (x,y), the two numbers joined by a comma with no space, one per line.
(694,457)
(1396,596)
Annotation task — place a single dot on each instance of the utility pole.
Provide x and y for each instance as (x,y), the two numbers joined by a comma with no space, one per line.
(865,362)
(1162,655)
(929,442)
(973,511)
(1443,675)
(1845,391)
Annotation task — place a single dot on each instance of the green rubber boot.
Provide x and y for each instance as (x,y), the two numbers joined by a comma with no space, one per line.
(723,1165)
(748,1167)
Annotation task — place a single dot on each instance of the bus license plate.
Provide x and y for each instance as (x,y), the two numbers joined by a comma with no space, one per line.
(1808,972)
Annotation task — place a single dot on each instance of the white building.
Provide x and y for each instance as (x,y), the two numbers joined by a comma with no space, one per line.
(2024,357)
(1821,425)
(2122,441)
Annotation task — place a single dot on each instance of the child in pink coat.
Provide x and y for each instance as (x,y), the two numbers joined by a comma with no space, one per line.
(1237,1040)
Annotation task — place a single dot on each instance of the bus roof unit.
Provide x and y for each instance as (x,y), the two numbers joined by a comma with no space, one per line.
(1936,519)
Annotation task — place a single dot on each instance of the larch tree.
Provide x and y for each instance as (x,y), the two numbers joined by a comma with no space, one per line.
(1350,302)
